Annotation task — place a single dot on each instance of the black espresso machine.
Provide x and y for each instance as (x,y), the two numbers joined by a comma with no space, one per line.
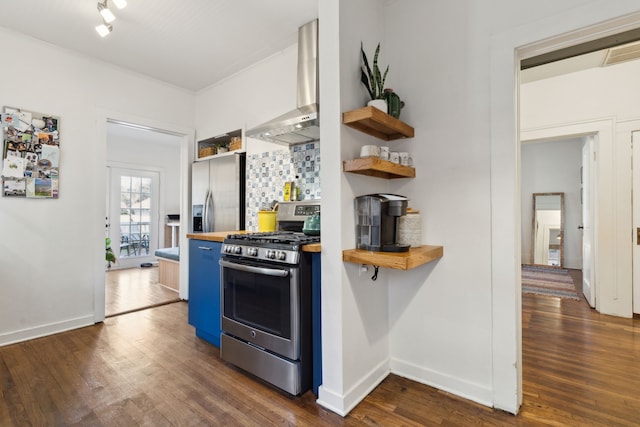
(376,222)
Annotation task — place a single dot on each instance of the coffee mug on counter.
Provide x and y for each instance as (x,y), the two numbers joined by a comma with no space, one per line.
(369,151)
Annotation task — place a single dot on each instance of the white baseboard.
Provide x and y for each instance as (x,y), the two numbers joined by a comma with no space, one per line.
(44,330)
(459,387)
(343,404)
(331,400)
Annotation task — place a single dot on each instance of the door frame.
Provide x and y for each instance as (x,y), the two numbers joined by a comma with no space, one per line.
(187,143)
(590,21)
(602,131)
(159,231)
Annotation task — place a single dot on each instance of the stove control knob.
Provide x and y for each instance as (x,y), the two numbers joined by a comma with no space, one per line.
(252,251)
(237,250)
(271,254)
(282,256)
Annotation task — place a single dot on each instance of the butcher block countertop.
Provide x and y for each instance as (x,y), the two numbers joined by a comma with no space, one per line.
(215,236)
(219,236)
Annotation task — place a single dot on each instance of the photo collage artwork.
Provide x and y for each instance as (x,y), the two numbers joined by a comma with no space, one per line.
(31,154)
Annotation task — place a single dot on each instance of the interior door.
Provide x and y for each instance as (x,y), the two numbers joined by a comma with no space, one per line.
(635,143)
(134,222)
(588,189)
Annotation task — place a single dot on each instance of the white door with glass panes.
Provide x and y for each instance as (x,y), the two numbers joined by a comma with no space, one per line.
(133,215)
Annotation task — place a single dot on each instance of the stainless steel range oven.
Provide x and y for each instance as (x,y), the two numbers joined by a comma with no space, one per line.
(266,307)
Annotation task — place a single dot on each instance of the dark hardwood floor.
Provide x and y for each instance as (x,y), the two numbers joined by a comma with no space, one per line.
(580,368)
(133,289)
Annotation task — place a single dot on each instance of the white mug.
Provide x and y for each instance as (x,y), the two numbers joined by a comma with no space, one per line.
(369,151)
(405,158)
(384,153)
(394,156)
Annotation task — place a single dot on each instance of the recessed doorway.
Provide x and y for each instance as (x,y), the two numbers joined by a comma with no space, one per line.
(143,191)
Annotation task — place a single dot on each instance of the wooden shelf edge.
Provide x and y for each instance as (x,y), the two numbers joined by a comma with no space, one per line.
(377,123)
(225,154)
(395,260)
(373,166)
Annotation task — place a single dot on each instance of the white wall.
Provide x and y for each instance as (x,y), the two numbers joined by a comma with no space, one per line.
(552,167)
(585,95)
(440,314)
(52,259)
(249,98)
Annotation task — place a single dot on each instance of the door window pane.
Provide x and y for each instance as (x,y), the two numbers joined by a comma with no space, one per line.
(135,215)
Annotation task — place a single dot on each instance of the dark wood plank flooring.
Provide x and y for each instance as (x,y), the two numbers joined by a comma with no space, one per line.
(580,368)
(133,289)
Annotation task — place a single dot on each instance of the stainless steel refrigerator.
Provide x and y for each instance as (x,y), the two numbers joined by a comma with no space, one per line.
(218,193)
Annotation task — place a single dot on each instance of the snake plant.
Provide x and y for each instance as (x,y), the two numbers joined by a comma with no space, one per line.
(371,78)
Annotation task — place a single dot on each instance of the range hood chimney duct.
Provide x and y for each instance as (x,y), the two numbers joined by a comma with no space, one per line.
(300,125)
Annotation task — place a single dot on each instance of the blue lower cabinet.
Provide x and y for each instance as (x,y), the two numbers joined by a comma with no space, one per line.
(316,321)
(204,289)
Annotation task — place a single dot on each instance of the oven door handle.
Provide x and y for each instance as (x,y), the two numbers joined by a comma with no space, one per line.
(252,269)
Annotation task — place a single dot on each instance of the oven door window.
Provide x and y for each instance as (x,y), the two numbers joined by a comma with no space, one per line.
(260,301)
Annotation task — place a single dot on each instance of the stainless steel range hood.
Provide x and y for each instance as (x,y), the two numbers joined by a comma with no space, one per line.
(300,125)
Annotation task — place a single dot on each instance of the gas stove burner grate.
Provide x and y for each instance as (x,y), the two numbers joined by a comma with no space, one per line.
(282,237)
(271,247)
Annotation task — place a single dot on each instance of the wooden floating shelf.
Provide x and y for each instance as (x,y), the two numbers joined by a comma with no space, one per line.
(374,166)
(377,123)
(396,260)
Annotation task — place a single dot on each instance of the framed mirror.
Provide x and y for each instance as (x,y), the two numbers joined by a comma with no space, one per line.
(548,229)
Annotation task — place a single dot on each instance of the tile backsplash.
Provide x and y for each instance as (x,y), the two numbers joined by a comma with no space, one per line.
(267,172)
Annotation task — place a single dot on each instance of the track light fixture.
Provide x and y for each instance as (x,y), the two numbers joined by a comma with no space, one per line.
(120,4)
(107,16)
(104,29)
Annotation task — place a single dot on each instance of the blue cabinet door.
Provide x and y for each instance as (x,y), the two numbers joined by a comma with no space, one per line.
(316,320)
(204,289)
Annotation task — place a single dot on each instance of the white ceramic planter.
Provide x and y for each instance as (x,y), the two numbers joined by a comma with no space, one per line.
(380,104)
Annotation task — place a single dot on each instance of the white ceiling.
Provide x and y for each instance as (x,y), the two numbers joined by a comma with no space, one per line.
(188,43)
